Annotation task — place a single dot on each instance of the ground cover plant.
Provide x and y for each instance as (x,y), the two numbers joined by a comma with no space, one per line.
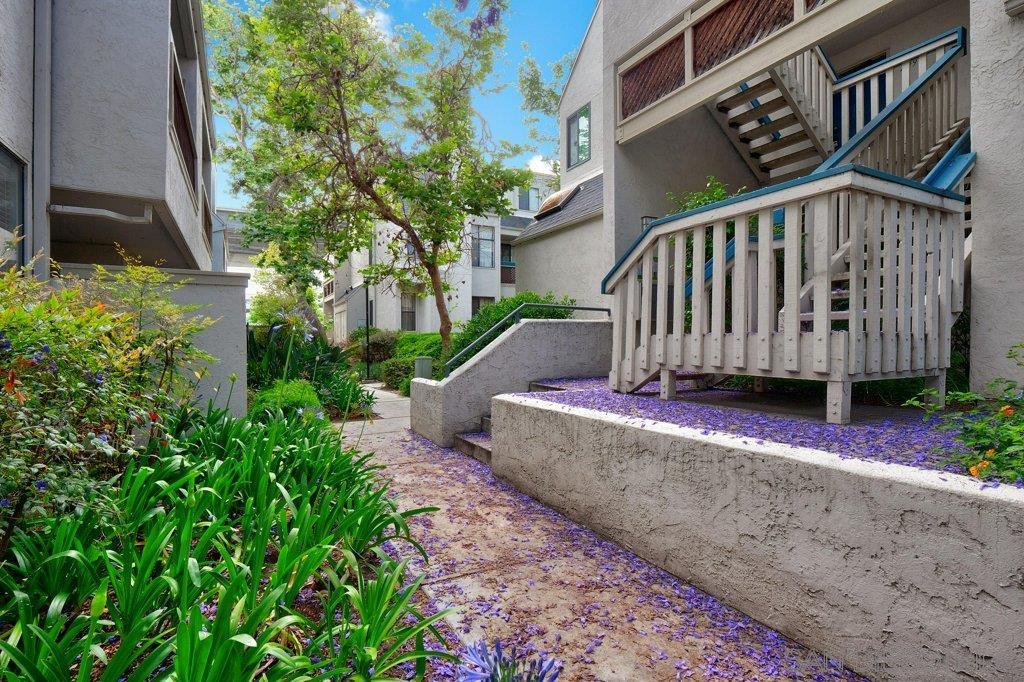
(989,427)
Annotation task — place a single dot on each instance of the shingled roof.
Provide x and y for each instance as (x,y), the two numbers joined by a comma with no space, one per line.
(586,201)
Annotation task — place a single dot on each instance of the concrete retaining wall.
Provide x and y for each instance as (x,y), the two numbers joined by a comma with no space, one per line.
(528,351)
(902,574)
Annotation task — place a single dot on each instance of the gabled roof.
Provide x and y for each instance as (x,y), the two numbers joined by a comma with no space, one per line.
(582,201)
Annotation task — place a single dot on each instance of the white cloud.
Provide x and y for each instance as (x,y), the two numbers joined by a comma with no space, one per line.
(538,164)
(382,21)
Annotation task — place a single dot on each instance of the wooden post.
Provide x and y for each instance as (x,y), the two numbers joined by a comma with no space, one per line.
(668,384)
(938,384)
(838,402)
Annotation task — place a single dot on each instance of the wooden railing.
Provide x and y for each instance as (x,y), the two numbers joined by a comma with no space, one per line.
(809,77)
(896,244)
(862,95)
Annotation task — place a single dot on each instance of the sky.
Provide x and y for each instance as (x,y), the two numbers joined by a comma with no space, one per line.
(551,28)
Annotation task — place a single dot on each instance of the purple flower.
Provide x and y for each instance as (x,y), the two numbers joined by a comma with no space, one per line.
(4,502)
(41,485)
(37,357)
(46,348)
(104,437)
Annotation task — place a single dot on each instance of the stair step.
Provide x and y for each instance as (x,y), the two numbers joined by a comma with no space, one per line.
(744,96)
(539,387)
(761,111)
(790,159)
(922,167)
(476,445)
(485,423)
(769,128)
(780,144)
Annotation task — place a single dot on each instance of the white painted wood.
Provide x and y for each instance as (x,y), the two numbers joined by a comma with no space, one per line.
(741,250)
(646,282)
(661,349)
(618,328)
(632,296)
(679,297)
(697,312)
(918,286)
(931,320)
(872,317)
(889,287)
(824,245)
(858,209)
(668,384)
(904,287)
(791,287)
(765,301)
(945,288)
(837,399)
(717,338)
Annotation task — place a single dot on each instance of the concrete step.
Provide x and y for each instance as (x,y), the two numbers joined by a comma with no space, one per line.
(476,445)
(485,423)
(540,387)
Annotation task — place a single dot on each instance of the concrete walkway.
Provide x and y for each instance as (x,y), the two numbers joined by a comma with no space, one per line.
(516,571)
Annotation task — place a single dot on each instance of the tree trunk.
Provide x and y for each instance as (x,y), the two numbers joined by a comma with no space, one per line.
(442,305)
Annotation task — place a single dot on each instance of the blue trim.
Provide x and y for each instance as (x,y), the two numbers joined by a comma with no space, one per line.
(894,57)
(763,120)
(875,123)
(954,164)
(819,174)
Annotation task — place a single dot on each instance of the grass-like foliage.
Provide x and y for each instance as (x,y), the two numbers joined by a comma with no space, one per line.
(238,550)
(295,397)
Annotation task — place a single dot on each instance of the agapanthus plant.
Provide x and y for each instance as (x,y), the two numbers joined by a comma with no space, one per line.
(483,664)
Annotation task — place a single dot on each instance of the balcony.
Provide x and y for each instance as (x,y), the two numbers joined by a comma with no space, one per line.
(717,45)
(508,272)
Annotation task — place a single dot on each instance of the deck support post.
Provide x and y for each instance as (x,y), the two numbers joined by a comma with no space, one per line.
(668,384)
(938,384)
(838,402)
(760,384)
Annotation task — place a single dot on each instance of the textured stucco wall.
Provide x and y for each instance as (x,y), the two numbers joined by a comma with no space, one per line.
(222,297)
(900,573)
(569,261)
(528,351)
(583,86)
(16,33)
(997,191)
(110,96)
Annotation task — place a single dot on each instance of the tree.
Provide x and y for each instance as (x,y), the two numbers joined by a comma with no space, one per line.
(338,127)
(540,97)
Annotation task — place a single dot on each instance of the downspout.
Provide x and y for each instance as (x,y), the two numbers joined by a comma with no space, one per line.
(38,237)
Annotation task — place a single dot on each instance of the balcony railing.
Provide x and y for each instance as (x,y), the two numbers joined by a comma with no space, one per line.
(697,58)
(508,272)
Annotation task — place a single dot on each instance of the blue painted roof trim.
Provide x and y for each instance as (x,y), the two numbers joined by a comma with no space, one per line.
(840,155)
(764,191)
(954,164)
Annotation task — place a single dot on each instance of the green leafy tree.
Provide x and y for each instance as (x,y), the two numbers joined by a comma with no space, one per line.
(540,95)
(339,127)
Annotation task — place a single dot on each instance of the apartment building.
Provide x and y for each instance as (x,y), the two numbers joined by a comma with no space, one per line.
(106,142)
(905,100)
(487,272)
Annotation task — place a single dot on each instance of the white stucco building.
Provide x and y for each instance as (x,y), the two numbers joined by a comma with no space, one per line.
(487,272)
(761,93)
(106,140)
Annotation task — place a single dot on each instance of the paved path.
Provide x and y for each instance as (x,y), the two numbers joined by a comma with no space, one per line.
(516,571)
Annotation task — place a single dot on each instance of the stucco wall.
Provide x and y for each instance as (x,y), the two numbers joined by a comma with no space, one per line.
(583,86)
(110,96)
(569,261)
(997,187)
(900,573)
(528,351)
(222,297)
(16,64)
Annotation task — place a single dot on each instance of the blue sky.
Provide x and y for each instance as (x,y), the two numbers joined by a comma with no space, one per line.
(550,27)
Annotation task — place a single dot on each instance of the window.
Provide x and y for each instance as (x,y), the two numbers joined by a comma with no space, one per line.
(579,137)
(483,246)
(529,198)
(506,254)
(408,312)
(12,196)
(480,302)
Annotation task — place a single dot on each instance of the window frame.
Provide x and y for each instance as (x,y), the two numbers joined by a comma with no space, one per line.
(575,116)
(478,302)
(21,200)
(476,242)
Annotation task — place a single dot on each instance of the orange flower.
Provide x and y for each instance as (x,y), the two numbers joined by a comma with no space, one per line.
(978,469)
(100,306)
(1007,411)
(9,384)
(990,452)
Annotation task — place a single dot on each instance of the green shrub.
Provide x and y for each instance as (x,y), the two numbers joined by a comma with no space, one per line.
(358,335)
(492,313)
(405,388)
(395,370)
(288,351)
(289,397)
(418,344)
(989,427)
(381,346)
(343,395)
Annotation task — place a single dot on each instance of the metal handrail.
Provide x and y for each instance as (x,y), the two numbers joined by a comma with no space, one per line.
(517,315)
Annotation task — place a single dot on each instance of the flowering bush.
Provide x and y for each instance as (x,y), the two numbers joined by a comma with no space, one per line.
(990,427)
(506,665)
(87,367)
